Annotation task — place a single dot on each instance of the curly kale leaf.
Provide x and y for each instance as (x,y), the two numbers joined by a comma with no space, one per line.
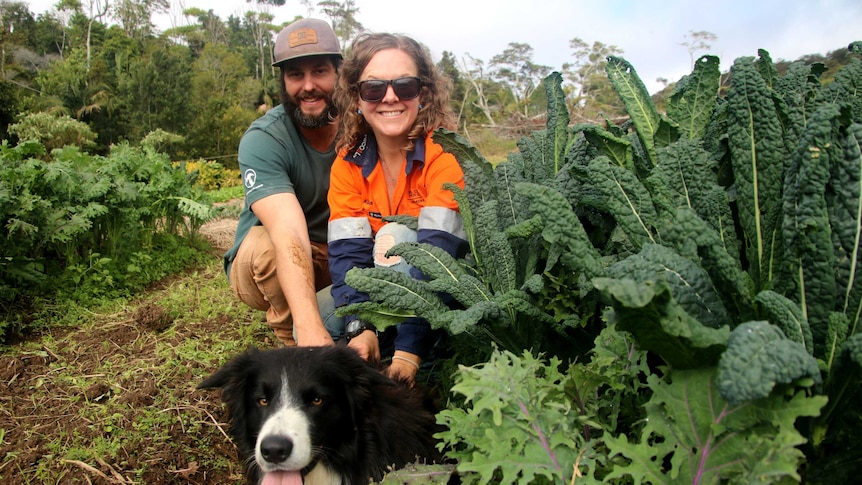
(617,149)
(396,290)
(693,239)
(648,311)
(562,229)
(787,315)
(558,118)
(692,435)
(757,153)
(690,287)
(419,474)
(758,357)
(693,100)
(517,424)
(845,216)
(652,129)
(807,230)
(625,198)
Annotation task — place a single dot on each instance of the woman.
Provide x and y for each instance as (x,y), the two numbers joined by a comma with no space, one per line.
(392,98)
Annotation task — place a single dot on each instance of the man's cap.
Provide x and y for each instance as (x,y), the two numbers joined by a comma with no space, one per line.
(305,37)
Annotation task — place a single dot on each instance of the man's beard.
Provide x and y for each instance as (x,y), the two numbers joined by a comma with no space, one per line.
(304,120)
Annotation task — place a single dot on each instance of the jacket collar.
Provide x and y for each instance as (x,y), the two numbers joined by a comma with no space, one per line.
(364,154)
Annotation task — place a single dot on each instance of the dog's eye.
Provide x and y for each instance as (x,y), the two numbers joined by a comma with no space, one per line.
(316,401)
(263,402)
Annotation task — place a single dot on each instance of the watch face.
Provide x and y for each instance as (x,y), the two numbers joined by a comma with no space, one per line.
(354,326)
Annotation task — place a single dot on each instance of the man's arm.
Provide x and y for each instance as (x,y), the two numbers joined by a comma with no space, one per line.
(284,220)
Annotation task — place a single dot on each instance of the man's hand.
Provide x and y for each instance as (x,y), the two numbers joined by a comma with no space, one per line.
(311,335)
(366,345)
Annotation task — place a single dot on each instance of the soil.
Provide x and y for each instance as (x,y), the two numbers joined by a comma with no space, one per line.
(53,387)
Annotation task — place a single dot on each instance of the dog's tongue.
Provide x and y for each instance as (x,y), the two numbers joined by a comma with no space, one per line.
(282,478)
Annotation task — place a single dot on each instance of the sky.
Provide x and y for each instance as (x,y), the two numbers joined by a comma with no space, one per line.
(649,32)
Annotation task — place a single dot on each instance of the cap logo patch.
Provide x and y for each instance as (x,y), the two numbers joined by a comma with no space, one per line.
(302,36)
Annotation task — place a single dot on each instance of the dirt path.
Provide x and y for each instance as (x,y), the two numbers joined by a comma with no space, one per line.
(114,400)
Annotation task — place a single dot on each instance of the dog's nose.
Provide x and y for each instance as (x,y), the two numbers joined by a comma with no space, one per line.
(276,449)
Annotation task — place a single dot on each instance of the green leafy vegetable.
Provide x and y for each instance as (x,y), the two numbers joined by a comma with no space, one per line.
(759,357)
(704,439)
(517,422)
(659,324)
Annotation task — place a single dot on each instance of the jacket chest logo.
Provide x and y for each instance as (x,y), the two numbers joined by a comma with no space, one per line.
(415,197)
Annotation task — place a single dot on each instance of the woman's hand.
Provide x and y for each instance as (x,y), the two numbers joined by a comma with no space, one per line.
(404,366)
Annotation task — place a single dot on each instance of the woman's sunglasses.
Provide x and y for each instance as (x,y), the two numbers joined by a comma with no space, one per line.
(374,90)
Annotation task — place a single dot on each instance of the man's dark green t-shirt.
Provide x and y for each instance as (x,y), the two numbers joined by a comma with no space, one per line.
(274,158)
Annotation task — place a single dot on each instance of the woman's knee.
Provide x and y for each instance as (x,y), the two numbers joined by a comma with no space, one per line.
(387,237)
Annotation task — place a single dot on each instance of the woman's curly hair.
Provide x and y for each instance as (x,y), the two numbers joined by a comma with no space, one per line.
(436,111)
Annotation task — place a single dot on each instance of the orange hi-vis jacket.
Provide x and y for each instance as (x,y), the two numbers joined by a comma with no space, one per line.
(359,200)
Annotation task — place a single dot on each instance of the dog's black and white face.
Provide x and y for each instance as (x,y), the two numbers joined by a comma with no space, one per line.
(291,413)
(319,411)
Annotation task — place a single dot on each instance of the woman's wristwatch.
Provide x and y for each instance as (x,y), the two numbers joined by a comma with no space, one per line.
(356,327)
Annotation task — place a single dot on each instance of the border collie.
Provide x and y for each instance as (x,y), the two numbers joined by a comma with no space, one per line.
(322,415)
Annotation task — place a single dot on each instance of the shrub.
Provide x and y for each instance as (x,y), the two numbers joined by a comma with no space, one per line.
(53,131)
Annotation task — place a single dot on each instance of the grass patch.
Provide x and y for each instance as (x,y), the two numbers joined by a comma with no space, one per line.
(113,398)
(226,193)
(490,144)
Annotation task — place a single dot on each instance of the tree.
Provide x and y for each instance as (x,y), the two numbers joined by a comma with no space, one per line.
(475,72)
(221,89)
(260,25)
(515,69)
(342,16)
(698,41)
(98,11)
(458,96)
(135,16)
(156,89)
(208,29)
(590,92)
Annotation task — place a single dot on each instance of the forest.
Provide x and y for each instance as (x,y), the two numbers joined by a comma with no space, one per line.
(104,71)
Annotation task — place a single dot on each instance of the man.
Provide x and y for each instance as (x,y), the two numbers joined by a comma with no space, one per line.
(279,260)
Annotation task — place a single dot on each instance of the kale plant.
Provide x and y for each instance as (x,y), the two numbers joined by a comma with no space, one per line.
(721,238)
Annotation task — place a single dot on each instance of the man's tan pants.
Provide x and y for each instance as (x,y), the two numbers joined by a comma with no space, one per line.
(253,279)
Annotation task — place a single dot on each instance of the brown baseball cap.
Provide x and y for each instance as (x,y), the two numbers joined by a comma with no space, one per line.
(305,37)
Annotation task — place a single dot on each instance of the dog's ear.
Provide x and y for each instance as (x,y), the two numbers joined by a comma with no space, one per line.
(233,378)
(230,374)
